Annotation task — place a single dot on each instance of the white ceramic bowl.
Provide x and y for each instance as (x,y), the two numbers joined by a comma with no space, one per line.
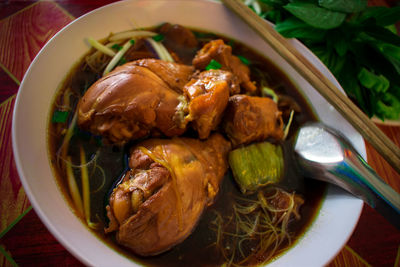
(339,212)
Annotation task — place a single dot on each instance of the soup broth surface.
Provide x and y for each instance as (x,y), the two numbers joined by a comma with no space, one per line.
(107,164)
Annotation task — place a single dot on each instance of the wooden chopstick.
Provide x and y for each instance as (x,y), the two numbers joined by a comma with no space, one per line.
(385,147)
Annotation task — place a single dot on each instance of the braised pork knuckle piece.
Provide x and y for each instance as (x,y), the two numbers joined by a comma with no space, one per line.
(163,196)
(251,118)
(134,101)
(207,95)
(222,53)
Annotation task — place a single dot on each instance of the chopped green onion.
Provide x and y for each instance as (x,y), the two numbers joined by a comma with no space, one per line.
(73,188)
(248,2)
(100,47)
(60,116)
(114,61)
(202,35)
(244,60)
(85,185)
(266,91)
(132,41)
(213,65)
(68,136)
(160,49)
(256,7)
(158,37)
(286,130)
(116,47)
(231,43)
(86,190)
(130,35)
(122,61)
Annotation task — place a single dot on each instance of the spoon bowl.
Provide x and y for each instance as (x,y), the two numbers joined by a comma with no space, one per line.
(325,154)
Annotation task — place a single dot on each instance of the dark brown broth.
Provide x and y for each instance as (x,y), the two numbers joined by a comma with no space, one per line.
(197,249)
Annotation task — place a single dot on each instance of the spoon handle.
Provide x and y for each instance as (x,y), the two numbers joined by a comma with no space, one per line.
(366,184)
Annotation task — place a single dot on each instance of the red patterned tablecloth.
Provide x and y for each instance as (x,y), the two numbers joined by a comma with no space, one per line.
(25,26)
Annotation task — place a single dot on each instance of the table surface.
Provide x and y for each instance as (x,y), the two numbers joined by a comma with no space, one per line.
(25,26)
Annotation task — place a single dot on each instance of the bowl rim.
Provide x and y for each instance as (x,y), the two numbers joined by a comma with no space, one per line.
(17,146)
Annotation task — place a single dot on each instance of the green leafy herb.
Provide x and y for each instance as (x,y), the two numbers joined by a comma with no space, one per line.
(377,83)
(316,16)
(158,37)
(293,27)
(383,16)
(372,33)
(132,42)
(116,47)
(347,6)
(60,116)
(388,107)
(213,65)
(392,53)
(359,45)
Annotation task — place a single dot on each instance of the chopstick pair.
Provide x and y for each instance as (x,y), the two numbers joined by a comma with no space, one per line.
(385,147)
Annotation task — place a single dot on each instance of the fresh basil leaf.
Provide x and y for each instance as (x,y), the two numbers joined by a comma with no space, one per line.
(331,60)
(382,34)
(295,28)
(383,16)
(336,64)
(395,90)
(338,40)
(389,50)
(373,100)
(368,56)
(348,80)
(392,28)
(341,46)
(321,52)
(273,15)
(347,6)
(316,16)
(395,62)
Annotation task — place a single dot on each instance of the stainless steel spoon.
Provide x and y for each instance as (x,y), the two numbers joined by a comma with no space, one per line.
(323,153)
